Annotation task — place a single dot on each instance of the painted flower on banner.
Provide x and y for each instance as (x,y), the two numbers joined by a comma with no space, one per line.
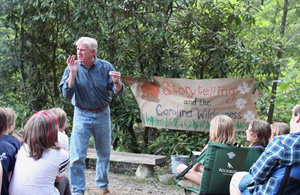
(249,116)
(240,103)
(243,88)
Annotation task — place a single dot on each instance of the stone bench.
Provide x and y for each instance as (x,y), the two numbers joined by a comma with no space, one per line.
(146,161)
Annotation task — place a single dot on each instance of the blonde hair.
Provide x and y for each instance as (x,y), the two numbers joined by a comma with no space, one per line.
(90,42)
(222,130)
(279,128)
(10,115)
(40,133)
(61,117)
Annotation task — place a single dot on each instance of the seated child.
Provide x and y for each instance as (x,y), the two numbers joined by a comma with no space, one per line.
(11,121)
(63,138)
(7,155)
(40,161)
(282,151)
(258,133)
(279,129)
(221,131)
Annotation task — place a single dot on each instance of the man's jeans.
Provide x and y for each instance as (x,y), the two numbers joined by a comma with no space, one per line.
(87,123)
(245,181)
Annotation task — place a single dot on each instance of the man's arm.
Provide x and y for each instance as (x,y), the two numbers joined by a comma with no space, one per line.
(264,166)
(66,85)
(66,91)
(118,84)
(72,65)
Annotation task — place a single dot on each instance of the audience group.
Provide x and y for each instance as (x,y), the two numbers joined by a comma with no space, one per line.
(36,163)
(281,144)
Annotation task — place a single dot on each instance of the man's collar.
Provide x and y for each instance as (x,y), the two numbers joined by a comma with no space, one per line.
(88,67)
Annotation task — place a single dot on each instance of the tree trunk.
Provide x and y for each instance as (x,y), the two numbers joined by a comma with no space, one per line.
(279,56)
(21,57)
(53,60)
(146,137)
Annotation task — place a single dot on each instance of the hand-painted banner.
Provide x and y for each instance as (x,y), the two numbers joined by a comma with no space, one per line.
(187,104)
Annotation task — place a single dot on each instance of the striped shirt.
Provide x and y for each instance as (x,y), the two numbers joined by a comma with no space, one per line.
(32,176)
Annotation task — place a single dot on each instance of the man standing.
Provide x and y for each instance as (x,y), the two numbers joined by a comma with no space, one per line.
(88,83)
(282,151)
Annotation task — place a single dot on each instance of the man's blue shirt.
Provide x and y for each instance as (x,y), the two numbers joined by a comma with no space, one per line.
(93,86)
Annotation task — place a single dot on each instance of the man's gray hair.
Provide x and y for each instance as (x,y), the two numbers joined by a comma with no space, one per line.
(90,42)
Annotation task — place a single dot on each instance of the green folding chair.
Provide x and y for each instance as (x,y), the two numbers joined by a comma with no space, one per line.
(220,162)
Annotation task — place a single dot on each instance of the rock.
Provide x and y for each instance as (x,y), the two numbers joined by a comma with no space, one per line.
(166,178)
(144,171)
(189,184)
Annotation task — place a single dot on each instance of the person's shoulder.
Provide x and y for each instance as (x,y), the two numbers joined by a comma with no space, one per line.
(283,138)
(56,155)
(64,155)
(13,141)
(61,153)
(103,62)
(62,136)
(281,142)
(6,137)
(7,147)
(290,138)
(3,140)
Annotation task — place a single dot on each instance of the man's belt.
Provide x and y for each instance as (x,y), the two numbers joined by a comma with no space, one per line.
(94,110)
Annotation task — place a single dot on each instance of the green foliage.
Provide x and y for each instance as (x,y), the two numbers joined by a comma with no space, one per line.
(178,142)
(125,115)
(177,39)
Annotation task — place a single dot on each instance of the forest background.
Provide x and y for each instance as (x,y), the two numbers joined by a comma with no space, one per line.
(194,39)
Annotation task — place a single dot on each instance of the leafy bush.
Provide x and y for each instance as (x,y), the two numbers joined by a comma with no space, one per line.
(178,142)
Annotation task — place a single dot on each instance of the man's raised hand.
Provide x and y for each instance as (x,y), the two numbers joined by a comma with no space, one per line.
(72,63)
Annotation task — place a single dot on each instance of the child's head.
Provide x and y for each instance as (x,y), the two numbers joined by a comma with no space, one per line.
(279,128)
(295,120)
(11,119)
(3,122)
(40,133)
(258,133)
(221,129)
(61,117)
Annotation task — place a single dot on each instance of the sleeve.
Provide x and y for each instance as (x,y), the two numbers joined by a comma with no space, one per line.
(263,167)
(119,92)
(66,91)
(12,158)
(64,161)
(65,142)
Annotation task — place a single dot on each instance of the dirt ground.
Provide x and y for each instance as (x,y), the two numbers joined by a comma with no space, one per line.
(122,181)
(125,185)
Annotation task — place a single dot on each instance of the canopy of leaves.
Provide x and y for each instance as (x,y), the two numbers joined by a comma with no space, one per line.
(196,39)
